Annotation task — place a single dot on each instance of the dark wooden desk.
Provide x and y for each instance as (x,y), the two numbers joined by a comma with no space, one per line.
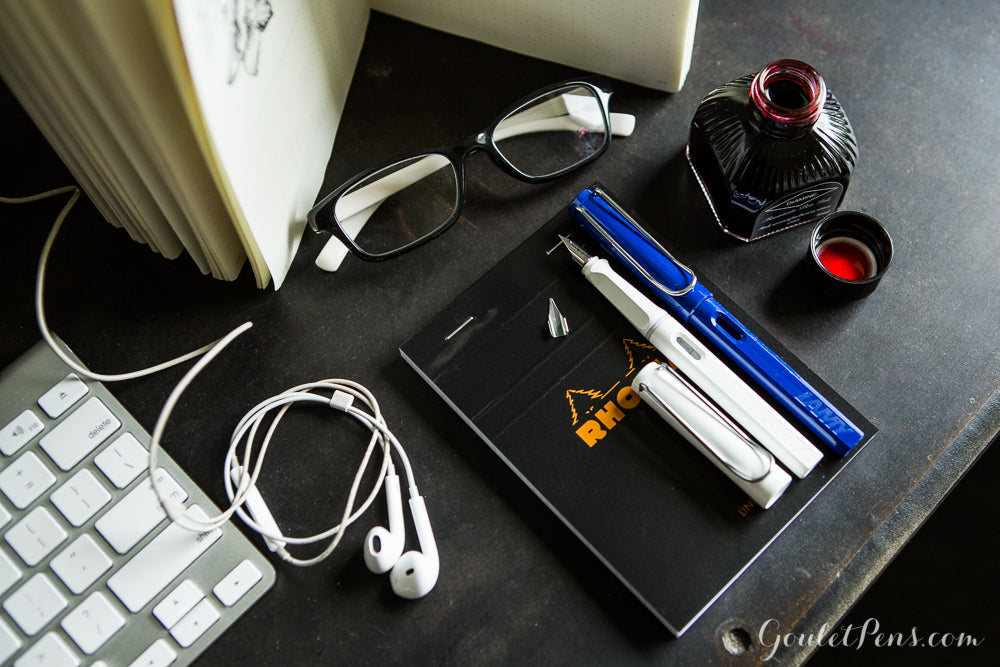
(918,358)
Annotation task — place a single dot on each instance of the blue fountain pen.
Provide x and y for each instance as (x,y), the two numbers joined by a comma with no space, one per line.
(679,290)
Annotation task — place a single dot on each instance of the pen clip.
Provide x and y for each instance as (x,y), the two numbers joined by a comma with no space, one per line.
(763,456)
(625,255)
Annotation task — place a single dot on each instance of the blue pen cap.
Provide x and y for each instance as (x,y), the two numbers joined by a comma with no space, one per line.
(620,235)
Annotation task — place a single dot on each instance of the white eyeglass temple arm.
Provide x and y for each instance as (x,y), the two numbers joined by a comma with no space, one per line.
(622,124)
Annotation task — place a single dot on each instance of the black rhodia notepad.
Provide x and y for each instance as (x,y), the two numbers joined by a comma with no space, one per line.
(560,413)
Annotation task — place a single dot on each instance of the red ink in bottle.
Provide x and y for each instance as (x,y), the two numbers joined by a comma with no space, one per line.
(772,150)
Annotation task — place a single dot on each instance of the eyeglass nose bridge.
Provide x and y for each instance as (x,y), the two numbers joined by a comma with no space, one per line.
(459,153)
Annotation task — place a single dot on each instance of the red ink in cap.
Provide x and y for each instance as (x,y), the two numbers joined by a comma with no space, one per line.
(849,253)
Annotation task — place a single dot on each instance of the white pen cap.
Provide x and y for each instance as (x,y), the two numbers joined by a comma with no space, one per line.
(746,464)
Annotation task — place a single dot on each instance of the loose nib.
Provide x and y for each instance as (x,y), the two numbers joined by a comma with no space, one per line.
(557,322)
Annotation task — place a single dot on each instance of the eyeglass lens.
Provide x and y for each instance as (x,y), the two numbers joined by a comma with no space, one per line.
(410,200)
(552,133)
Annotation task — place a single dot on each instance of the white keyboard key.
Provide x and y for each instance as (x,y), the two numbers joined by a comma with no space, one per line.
(25,480)
(123,460)
(90,425)
(159,654)
(9,574)
(131,519)
(178,602)
(80,564)
(34,604)
(80,497)
(195,623)
(19,432)
(93,622)
(50,651)
(9,642)
(4,516)
(236,584)
(35,536)
(160,562)
(67,392)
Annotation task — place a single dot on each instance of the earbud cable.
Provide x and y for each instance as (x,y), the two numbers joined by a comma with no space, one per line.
(238,489)
(248,426)
(43,325)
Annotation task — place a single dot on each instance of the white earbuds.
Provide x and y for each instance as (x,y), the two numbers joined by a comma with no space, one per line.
(384,547)
(414,573)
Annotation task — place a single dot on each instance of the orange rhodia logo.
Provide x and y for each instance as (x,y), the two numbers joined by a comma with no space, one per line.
(595,412)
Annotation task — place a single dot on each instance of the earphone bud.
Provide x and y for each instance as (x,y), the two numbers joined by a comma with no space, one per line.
(412,574)
(415,573)
(384,547)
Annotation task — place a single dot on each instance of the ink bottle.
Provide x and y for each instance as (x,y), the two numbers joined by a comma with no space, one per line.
(772,150)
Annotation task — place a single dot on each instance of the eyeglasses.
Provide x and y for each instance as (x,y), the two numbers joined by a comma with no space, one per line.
(391,209)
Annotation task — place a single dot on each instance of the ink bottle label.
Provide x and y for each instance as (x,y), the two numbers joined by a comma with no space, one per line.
(772,150)
(808,204)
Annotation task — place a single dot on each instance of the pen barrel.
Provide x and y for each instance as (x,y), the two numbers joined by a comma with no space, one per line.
(737,398)
(638,309)
(751,469)
(769,370)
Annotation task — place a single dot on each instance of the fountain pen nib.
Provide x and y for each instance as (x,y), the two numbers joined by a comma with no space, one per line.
(579,254)
(557,322)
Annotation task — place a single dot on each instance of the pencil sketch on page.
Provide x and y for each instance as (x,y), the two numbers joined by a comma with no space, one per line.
(270,79)
(249,20)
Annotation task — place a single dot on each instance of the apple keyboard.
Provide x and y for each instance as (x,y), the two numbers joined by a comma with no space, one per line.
(91,570)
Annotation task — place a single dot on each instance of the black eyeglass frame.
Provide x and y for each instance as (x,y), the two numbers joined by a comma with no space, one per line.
(321,217)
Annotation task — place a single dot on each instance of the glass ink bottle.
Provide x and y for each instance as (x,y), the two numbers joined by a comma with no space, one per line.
(772,150)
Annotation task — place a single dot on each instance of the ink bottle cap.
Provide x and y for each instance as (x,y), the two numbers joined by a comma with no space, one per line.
(849,252)
(772,150)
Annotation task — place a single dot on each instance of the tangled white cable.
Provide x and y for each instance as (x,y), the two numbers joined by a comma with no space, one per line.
(413,574)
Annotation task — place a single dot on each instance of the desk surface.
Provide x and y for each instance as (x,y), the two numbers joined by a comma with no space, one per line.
(919,357)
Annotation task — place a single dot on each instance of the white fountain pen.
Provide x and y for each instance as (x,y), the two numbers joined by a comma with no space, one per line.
(701,367)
